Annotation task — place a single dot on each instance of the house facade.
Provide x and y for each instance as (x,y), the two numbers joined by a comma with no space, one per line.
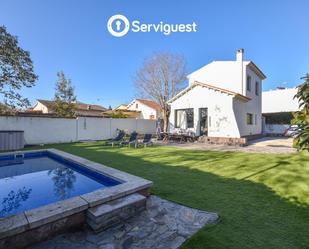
(223,99)
(148,109)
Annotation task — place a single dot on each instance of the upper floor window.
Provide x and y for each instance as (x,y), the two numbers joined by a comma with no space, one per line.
(248,83)
(249,118)
(257,88)
(184,118)
(136,106)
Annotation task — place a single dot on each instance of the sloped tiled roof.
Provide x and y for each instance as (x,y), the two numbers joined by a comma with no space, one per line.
(150,103)
(80,106)
(82,109)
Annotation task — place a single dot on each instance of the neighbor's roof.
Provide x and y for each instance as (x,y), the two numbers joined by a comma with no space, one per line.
(279,100)
(148,103)
(80,106)
(196,83)
(121,107)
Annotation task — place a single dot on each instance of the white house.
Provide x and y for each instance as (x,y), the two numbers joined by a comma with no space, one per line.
(277,108)
(280,100)
(147,108)
(223,100)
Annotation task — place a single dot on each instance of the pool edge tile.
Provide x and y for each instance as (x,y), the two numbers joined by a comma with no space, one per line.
(13,225)
(55,211)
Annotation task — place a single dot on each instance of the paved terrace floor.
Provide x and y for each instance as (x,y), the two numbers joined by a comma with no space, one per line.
(164,225)
(263,145)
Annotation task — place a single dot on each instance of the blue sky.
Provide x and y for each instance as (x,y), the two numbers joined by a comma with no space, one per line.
(71,36)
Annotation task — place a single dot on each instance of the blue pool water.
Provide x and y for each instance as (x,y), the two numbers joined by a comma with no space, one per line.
(40,178)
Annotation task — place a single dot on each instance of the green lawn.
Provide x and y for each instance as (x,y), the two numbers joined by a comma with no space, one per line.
(262,199)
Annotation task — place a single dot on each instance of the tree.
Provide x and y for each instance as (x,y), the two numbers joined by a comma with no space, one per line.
(16,71)
(119,114)
(64,97)
(301,118)
(160,78)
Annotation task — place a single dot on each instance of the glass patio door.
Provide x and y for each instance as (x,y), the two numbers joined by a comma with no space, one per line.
(203,114)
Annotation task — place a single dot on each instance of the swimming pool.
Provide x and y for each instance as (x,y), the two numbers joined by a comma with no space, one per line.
(35,179)
(46,192)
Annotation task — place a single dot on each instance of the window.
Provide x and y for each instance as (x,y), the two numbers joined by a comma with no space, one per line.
(136,106)
(249,119)
(184,118)
(257,88)
(255,119)
(248,83)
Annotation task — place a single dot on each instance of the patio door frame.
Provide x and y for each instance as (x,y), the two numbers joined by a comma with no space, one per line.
(203,121)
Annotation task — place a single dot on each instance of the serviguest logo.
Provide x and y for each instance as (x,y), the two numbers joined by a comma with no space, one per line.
(119,25)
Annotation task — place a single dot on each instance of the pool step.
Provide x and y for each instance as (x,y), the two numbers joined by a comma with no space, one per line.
(116,211)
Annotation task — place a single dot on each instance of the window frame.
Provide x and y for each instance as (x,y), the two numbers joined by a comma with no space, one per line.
(257,88)
(249,118)
(185,110)
(248,83)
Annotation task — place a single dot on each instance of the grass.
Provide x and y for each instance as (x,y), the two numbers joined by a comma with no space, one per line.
(262,199)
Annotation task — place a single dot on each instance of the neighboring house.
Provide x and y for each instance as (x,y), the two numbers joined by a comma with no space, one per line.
(82,109)
(223,100)
(277,108)
(121,107)
(147,108)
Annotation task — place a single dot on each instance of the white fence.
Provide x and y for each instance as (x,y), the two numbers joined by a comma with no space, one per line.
(44,130)
(275,128)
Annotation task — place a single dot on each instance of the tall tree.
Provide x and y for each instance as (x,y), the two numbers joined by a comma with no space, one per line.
(301,118)
(16,71)
(65,99)
(160,78)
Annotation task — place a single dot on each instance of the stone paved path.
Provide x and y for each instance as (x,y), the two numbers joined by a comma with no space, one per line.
(164,225)
(272,145)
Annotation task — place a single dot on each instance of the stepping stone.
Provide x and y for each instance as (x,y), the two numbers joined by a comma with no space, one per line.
(105,215)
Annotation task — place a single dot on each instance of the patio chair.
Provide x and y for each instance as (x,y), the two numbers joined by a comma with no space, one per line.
(118,139)
(132,140)
(147,140)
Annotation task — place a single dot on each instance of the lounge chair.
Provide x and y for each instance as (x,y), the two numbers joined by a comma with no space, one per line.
(147,140)
(118,139)
(132,140)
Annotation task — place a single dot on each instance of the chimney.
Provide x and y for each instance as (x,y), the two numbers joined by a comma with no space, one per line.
(240,54)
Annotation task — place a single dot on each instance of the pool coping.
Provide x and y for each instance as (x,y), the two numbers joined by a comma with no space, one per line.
(40,216)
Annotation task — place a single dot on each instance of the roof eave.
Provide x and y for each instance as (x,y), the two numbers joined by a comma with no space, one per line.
(257,70)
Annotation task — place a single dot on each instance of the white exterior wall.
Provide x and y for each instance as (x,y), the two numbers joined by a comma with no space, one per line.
(43,130)
(145,110)
(275,128)
(39,130)
(40,107)
(220,111)
(224,74)
(281,100)
(227,75)
(254,106)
